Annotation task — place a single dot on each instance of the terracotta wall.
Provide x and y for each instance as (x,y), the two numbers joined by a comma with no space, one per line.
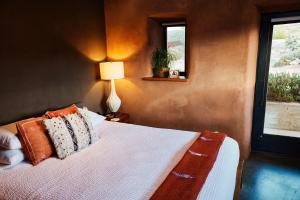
(48,55)
(222,45)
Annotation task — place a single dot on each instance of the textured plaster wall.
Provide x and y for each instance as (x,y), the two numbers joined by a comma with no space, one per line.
(222,45)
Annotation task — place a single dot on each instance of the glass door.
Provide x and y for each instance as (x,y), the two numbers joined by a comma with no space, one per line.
(276,120)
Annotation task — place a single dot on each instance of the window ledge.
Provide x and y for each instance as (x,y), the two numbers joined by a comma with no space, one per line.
(165,79)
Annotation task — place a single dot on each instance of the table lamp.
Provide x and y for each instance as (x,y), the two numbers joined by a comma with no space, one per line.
(111,71)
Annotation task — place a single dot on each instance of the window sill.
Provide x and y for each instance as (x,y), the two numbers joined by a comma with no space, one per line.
(165,79)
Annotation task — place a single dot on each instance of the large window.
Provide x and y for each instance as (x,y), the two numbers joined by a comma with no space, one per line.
(175,42)
(276,124)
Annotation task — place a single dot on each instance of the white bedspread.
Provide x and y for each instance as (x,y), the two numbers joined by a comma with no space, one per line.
(128,162)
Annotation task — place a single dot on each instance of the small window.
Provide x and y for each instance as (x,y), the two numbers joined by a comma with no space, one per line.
(175,42)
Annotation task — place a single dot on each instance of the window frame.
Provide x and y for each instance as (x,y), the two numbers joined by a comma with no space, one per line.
(181,23)
(260,141)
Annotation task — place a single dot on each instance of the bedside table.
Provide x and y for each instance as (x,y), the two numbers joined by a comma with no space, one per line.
(119,117)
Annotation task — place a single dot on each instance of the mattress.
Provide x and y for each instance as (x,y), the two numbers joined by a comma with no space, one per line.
(128,162)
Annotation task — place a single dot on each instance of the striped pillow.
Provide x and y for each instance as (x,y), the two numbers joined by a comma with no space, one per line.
(70,133)
(85,115)
(61,136)
(82,136)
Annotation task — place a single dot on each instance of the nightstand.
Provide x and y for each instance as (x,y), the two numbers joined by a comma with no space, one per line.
(119,117)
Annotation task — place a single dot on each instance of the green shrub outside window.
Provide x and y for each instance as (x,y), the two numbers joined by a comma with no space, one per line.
(284,87)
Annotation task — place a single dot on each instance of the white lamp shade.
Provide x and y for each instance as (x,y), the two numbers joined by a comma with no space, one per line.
(111,70)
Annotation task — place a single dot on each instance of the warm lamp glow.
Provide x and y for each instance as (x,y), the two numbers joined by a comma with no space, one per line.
(111,70)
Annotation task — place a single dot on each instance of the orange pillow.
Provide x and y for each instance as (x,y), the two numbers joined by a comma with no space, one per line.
(35,141)
(62,112)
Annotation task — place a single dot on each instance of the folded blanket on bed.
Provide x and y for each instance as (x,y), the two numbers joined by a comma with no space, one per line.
(187,178)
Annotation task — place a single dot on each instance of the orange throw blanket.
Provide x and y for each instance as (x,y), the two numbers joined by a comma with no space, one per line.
(187,178)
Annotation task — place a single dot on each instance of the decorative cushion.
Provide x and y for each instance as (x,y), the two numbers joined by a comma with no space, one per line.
(11,157)
(62,112)
(82,135)
(72,132)
(61,136)
(36,143)
(84,113)
(9,140)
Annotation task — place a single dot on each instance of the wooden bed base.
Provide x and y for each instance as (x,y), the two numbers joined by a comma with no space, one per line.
(239,175)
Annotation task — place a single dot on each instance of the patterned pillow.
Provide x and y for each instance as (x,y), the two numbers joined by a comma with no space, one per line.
(70,133)
(88,122)
(61,136)
(82,136)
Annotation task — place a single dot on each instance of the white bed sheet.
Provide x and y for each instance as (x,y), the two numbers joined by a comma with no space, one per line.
(128,162)
(220,183)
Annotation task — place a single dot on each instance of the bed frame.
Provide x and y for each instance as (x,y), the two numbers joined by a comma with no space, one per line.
(239,176)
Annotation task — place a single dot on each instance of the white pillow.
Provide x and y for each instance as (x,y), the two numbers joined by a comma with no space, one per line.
(9,140)
(95,118)
(11,157)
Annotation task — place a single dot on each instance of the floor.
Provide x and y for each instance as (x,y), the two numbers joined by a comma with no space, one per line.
(271,177)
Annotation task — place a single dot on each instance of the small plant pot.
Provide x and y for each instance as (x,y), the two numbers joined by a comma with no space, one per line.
(156,72)
(164,72)
(161,73)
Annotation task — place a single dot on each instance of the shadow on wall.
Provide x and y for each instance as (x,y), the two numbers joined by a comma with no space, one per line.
(49,53)
(277,5)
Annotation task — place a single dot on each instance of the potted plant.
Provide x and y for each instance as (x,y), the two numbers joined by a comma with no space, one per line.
(161,60)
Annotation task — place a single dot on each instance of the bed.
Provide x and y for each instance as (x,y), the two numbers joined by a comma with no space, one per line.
(128,162)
